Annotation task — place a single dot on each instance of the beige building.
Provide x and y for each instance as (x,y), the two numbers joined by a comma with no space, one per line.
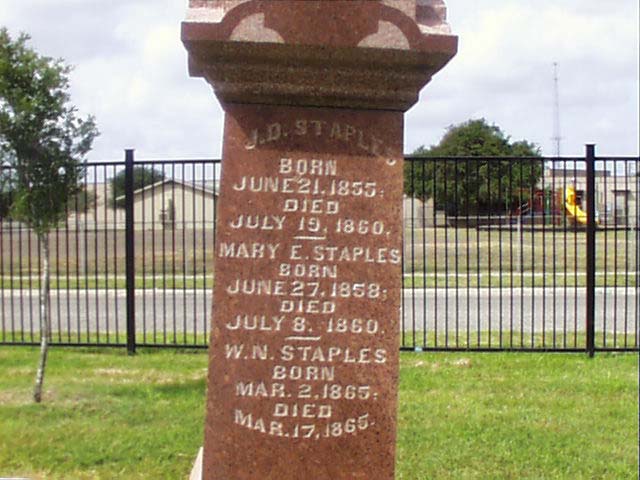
(97,213)
(175,204)
(419,214)
(167,204)
(616,195)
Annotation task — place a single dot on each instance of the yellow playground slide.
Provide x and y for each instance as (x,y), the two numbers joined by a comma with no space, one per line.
(573,210)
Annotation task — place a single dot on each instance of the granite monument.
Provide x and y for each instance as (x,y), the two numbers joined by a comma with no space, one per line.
(304,341)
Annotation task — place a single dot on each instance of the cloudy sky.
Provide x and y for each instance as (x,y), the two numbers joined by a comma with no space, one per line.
(130,72)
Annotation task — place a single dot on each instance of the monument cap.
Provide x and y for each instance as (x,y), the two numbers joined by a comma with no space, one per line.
(382,53)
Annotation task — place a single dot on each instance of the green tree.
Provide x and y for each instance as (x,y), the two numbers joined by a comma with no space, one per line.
(83,201)
(474,186)
(44,142)
(142,176)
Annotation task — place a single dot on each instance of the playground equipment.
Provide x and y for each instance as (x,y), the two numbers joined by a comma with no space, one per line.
(573,209)
(550,206)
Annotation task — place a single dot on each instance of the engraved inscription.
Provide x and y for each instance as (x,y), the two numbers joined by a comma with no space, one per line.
(341,133)
(297,311)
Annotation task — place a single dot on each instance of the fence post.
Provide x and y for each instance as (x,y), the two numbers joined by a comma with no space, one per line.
(130,252)
(591,249)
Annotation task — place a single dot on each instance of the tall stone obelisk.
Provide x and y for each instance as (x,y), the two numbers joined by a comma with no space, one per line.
(304,346)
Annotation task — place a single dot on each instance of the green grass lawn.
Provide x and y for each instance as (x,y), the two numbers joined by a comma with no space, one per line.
(461,416)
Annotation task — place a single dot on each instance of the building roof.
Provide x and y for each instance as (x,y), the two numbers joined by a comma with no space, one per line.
(574,173)
(209,187)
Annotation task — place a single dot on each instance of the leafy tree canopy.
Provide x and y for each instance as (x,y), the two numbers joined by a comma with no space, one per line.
(468,186)
(142,176)
(41,136)
(477,138)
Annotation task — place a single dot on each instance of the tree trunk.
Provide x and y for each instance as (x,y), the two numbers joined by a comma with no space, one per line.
(45,324)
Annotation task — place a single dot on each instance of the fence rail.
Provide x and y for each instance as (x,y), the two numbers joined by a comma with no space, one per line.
(527,254)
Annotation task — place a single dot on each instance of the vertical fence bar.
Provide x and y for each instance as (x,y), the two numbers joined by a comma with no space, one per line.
(413,260)
(510,198)
(22,282)
(605,269)
(85,233)
(478,265)
(153,265)
(183,223)
(130,253)
(143,226)
(5,283)
(545,218)
(532,258)
(96,267)
(107,201)
(56,273)
(434,180)
(489,249)
(626,252)
(615,254)
(67,270)
(591,249)
(500,260)
(78,285)
(205,292)
(3,329)
(171,210)
(456,202)
(30,285)
(12,280)
(579,267)
(520,243)
(424,254)
(637,255)
(563,223)
(447,225)
(468,252)
(194,235)
(164,256)
(216,180)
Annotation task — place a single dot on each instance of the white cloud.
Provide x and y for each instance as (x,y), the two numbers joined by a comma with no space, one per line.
(131,73)
(503,71)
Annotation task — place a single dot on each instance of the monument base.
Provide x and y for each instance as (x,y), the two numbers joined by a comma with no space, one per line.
(196,471)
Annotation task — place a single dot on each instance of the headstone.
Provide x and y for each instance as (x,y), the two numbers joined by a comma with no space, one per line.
(304,345)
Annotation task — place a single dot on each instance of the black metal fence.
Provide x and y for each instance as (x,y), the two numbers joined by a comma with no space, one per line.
(505,254)
(499,254)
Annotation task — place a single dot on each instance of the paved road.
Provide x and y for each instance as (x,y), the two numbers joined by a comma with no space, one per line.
(520,310)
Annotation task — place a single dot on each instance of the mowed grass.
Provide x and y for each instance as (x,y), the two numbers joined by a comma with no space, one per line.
(461,416)
(518,416)
(105,415)
(449,258)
